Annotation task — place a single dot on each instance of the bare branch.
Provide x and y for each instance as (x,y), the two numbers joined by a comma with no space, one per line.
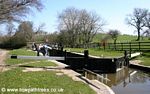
(15,10)
(137,19)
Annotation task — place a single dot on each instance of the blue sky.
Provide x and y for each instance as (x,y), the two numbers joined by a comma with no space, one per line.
(113,12)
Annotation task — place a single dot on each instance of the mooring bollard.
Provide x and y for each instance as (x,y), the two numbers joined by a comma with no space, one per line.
(13,57)
(38,53)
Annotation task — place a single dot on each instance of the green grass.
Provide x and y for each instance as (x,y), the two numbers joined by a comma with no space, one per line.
(145,58)
(17,61)
(19,52)
(41,63)
(49,80)
(22,52)
(97,52)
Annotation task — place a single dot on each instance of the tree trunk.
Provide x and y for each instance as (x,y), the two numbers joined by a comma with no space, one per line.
(138,35)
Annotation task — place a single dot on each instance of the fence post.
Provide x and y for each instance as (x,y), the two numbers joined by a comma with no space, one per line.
(130,49)
(109,46)
(115,46)
(86,56)
(122,46)
(139,46)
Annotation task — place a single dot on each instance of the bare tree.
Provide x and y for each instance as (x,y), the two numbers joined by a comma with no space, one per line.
(25,31)
(68,21)
(80,25)
(89,24)
(15,10)
(114,35)
(147,25)
(137,19)
(147,20)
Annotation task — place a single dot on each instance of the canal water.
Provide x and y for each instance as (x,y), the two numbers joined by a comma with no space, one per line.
(130,81)
(127,81)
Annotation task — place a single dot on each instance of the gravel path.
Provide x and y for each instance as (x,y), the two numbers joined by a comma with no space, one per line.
(3,54)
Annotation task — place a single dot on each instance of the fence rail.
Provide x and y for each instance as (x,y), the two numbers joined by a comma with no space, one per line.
(137,46)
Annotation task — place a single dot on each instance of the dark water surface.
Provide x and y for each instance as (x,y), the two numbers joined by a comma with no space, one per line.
(128,81)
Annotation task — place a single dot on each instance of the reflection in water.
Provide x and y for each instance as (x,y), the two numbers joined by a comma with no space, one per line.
(126,81)
(118,77)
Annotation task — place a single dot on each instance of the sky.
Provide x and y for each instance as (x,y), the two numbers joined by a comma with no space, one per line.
(114,12)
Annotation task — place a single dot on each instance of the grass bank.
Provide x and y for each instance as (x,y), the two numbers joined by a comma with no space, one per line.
(19,52)
(97,52)
(144,58)
(40,63)
(55,84)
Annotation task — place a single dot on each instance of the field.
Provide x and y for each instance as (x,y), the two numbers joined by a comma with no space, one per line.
(121,38)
